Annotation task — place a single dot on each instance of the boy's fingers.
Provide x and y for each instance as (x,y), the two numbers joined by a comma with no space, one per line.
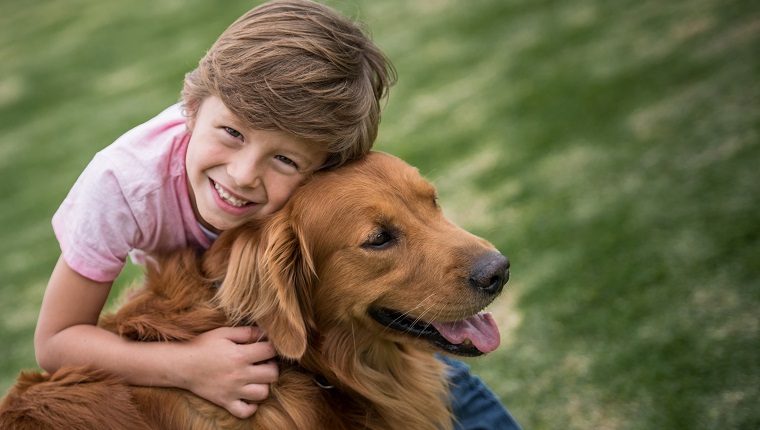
(260,352)
(241,409)
(246,334)
(257,334)
(256,393)
(265,373)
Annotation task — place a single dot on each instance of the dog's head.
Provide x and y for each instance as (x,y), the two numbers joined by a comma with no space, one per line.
(365,250)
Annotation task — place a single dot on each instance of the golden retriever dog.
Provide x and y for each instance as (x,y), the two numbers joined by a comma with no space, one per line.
(358,281)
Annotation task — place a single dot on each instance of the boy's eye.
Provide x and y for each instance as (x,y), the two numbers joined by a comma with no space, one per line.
(286,160)
(234,133)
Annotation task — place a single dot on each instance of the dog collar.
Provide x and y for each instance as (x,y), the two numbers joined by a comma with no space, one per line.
(322,382)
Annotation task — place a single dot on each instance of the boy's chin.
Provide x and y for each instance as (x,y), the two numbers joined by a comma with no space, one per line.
(218,226)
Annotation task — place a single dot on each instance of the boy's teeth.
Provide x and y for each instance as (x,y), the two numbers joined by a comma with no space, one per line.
(234,201)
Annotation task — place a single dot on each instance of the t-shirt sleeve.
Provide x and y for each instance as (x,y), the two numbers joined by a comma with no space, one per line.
(95,225)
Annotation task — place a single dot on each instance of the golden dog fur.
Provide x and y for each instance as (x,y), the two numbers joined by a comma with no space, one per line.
(369,236)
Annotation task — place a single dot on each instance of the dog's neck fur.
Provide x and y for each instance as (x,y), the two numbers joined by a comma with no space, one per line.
(381,376)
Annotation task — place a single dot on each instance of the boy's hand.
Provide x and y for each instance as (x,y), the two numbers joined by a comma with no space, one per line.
(231,367)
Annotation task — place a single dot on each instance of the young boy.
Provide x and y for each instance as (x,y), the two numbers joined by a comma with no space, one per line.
(289,88)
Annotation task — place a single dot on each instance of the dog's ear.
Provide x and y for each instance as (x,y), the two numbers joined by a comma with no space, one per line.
(268,283)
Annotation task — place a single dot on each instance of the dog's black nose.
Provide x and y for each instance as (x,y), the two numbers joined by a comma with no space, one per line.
(490,273)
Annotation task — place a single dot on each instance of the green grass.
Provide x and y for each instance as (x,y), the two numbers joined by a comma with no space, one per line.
(609,148)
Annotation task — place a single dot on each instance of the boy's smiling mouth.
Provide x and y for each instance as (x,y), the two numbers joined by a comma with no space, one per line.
(228,197)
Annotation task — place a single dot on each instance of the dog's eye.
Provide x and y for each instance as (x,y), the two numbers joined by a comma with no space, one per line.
(379,239)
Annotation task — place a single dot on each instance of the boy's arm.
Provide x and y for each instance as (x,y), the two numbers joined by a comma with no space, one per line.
(220,365)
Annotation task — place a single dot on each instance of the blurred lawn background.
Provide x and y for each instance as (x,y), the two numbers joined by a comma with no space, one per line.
(609,148)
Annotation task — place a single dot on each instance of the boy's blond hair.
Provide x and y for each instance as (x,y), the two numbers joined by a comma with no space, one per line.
(299,67)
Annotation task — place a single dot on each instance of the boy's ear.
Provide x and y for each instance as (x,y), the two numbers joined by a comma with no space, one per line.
(268,280)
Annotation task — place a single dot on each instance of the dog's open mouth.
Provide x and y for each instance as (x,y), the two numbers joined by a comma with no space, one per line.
(469,337)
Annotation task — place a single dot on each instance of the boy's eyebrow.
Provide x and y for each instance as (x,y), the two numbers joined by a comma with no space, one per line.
(227,116)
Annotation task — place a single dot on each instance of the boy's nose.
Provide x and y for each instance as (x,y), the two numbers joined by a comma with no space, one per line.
(245,173)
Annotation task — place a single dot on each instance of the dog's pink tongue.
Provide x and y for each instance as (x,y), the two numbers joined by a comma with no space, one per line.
(481,329)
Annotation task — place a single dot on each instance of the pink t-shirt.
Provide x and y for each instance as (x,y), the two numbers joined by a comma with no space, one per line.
(132,196)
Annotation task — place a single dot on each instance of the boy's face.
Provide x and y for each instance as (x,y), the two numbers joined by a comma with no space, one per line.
(235,174)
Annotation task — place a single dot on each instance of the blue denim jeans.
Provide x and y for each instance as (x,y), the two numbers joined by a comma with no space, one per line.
(475,406)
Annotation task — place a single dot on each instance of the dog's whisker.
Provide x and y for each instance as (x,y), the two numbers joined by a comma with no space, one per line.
(400,317)
(417,319)
(407,313)
(422,314)
(494,230)
(422,302)
(435,317)
(429,178)
(440,310)
(428,321)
